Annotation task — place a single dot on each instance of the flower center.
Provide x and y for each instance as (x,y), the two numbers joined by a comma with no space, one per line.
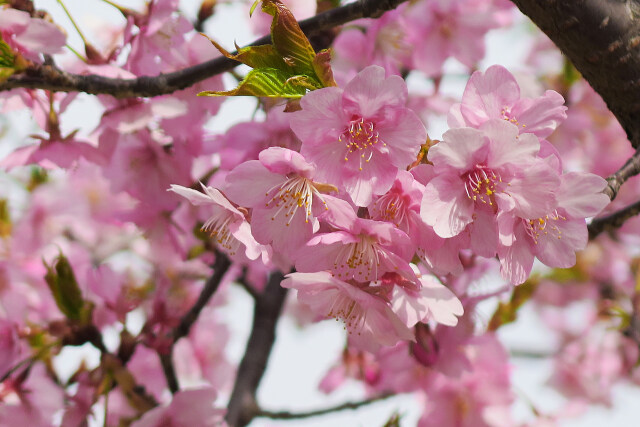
(359,260)
(360,137)
(295,193)
(391,208)
(481,184)
(391,41)
(218,228)
(506,115)
(535,228)
(347,309)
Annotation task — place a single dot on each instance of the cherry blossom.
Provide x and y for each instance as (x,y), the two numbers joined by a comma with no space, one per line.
(358,137)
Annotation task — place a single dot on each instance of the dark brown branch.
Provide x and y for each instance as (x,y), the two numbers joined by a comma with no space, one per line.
(614,182)
(284,415)
(220,267)
(602,40)
(242,406)
(166,360)
(613,221)
(51,78)
(629,169)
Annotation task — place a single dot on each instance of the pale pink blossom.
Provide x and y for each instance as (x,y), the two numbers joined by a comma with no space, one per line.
(158,42)
(359,137)
(554,237)
(30,36)
(605,358)
(368,318)
(379,41)
(495,94)
(429,301)
(439,29)
(227,225)
(286,200)
(9,345)
(188,408)
(480,172)
(363,252)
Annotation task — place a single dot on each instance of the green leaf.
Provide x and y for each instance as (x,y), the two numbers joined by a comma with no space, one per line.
(508,312)
(288,39)
(7,61)
(263,56)
(7,58)
(64,287)
(269,82)
(287,68)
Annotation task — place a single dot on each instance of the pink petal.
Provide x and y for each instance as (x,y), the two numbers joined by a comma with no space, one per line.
(581,194)
(534,191)
(248,183)
(445,206)
(516,262)
(459,149)
(321,116)
(540,116)
(369,93)
(487,94)
(559,249)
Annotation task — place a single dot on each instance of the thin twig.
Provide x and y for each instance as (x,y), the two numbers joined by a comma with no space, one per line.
(613,221)
(220,267)
(51,78)
(630,169)
(285,415)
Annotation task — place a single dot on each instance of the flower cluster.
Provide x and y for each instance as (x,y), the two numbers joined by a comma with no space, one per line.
(395,235)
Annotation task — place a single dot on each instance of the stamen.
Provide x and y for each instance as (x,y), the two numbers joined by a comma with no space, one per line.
(536,228)
(360,137)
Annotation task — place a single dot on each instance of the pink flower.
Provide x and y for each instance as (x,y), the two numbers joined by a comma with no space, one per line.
(9,345)
(285,199)
(188,408)
(605,358)
(439,29)
(368,318)
(495,94)
(51,154)
(246,140)
(554,237)
(359,137)
(226,224)
(380,42)
(30,36)
(431,300)
(481,172)
(158,44)
(363,252)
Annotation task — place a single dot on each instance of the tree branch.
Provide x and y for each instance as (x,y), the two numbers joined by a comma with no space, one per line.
(613,221)
(629,169)
(242,406)
(220,267)
(614,182)
(51,78)
(602,40)
(284,415)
